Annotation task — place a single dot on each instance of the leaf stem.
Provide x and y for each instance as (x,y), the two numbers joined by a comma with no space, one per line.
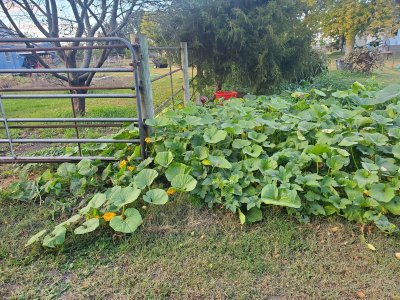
(354,158)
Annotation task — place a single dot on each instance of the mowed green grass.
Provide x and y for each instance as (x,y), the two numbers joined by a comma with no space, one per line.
(186,252)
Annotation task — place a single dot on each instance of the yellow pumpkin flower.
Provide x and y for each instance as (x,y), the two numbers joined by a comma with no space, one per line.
(131,168)
(367,193)
(147,140)
(122,164)
(108,216)
(206,162)
(171,192)
(180,106)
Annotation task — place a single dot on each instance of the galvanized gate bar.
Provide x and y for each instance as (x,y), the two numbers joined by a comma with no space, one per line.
(67,88)
(165,75)
(94,120)
(53,71)
(68,96)
(67,48)
(8,134)
(67,141)
(54,159)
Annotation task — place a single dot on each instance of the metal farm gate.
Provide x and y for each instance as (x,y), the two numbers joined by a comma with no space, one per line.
(140,81)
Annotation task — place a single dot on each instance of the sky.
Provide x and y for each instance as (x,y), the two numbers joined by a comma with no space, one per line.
(24,22)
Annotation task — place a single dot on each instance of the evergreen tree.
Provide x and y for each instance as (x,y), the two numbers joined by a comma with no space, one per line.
(261,43)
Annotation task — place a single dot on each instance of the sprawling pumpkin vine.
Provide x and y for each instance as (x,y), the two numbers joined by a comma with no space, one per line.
(310,153)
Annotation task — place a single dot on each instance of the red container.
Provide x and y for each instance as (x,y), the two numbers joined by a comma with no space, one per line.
(226,95)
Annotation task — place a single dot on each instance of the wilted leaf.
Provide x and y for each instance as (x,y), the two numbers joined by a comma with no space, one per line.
(89,226)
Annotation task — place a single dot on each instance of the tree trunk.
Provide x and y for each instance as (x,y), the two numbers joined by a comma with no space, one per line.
(350,41)
(79,104)
(218,85)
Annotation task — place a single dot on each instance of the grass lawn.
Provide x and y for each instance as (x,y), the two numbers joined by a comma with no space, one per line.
(185,252)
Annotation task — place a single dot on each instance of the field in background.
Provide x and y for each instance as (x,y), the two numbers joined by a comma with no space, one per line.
(95,107)
(388,74)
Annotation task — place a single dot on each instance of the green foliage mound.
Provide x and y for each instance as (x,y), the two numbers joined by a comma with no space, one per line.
(258,45)
(310,153)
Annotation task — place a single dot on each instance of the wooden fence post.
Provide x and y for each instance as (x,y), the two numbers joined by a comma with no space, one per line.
(185,69)
(146,91)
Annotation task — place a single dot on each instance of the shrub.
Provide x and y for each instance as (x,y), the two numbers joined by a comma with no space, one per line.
(364,60)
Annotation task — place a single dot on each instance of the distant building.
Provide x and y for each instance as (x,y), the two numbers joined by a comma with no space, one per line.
(387,44)
(19,60)
(394,43)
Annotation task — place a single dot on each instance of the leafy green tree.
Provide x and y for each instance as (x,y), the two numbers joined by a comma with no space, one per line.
(349,18)
(260,43)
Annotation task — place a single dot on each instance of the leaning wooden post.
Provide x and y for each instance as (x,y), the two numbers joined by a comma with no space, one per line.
(185,70)
(146,91)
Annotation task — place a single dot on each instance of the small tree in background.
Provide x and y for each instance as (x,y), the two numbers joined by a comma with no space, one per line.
(261,43)
(348,18)
(364,60)
(74,18)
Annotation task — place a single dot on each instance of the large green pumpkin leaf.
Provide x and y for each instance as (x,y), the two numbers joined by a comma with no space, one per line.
(257,137)
(86,168)
(77,186)
(35,238)
(164,159)
(382,192)
(88,226)
(253,151)
(376,138)
(239,143)
(281,197)
(184,183)
(213,135)
(364,177)
(394,206)
(97,201)
(66,170)
(156,196)
(70,221)
(219,162)
(201,152)
(161,121)
(127,224)
(396,150)
(124,197)
(55,238)
(145,178)
(254,215)
(270,191)
(175,169)
(337,162)
(351,141)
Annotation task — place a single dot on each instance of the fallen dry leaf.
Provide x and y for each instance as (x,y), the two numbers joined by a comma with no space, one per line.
(335,229)
(371,247)
(360,295)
